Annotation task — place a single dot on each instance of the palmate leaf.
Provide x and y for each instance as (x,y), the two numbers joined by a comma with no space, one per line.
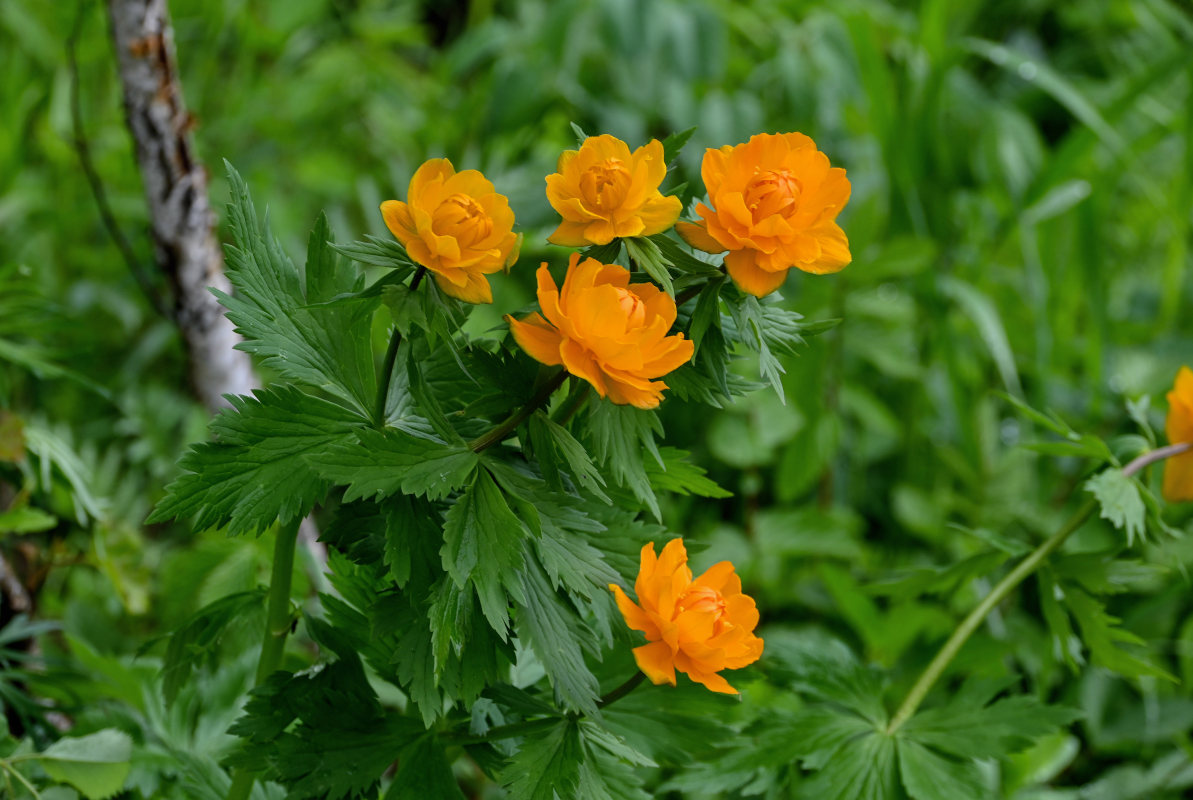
(482,547)
(295,329)
(864,769)
(425,773)
(1118,497)
(383,463)
(257,470)
(621,436)
(927,775)
(771,331)
(197,639)
(546,766)
(96,764)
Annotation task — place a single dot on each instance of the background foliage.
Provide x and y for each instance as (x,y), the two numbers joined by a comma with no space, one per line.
(1020,223)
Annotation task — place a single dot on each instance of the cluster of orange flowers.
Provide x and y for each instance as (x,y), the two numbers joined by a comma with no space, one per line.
(774,203)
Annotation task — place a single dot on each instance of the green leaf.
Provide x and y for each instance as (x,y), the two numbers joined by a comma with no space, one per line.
(674,143)
(325,346)
(547,766)
(553,631)
(96,764)
(258,469)
(707,313)
(577,458)
(406,307)
(382,463)
(197,639)
(930,776)
(620,436)
(968,728)
(378,251)
(425,773)
(674,254)
(646,254)
(864,769)
(26,519)
(1102,636)
(678,474)
(770,331)
(482,546)
(1118,496)
(984,314)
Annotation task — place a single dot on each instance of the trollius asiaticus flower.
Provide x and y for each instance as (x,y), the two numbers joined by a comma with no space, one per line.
(774,204)
(604,191)
(606,330)
(457,226)
(699,627)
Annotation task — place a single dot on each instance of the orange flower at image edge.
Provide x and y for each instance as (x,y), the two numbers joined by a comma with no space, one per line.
(698,627)
(606,330)
(604,191)
(774,200)
(456,226)
(1178,470)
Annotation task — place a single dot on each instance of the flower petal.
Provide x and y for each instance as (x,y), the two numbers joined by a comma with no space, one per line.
(698,237)
(750,278)
(657,662)
(538,338)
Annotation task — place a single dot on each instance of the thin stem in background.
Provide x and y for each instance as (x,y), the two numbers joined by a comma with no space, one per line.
(391,356)
(1016,576)
(277,626)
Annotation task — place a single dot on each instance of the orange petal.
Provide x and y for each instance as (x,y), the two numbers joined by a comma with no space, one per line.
(657,661)
(397,218)
(834,250)
(1178,478)
(474,290)
(435,169)
(659,213)
(635,617)
(749,277)
(537,337)
(712,681)
(570,234)
(696,236)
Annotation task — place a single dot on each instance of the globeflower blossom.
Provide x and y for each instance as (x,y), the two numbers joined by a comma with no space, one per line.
(698,627)
(604,191)
(1178,470)
(775,201)
(606,330)
(457,226)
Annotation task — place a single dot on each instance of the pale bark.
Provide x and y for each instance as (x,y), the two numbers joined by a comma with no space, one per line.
(186,246)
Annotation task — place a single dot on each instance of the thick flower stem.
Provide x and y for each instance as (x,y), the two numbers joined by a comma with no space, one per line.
(391,357)
(1016,576)
(277,626)
(505,428)
(573,404)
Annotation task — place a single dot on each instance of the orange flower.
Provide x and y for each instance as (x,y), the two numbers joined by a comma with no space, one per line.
(606,330)
(775,200)
(697,626)
(456,226)
(603,191)
(1178,470)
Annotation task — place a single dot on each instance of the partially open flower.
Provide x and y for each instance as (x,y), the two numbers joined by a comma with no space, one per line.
(606,330)
(1178,470)
(456,226)
(602,191)
(698,627)
(775,201)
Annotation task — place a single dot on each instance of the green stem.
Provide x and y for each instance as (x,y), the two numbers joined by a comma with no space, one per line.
(1016,576)
(277,626)
(542,723)
(970,624)
(391,357)
(504,429)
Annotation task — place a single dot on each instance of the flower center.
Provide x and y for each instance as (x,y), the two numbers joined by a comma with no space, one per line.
(772,192)
(604,185)
(703,600)
(633,307)
(462,218)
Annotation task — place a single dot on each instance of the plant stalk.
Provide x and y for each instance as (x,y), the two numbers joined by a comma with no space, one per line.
(1016,576)
(277,626)
(505,428)
(391,357)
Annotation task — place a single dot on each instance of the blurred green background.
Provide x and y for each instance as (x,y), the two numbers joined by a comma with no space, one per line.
(1020,223)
